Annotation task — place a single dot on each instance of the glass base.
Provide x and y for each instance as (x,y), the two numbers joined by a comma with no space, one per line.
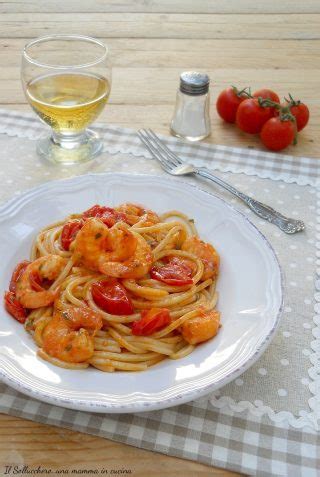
(189,138)
(70,150)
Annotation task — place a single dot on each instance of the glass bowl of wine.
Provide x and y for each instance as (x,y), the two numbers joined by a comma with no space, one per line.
(67,82)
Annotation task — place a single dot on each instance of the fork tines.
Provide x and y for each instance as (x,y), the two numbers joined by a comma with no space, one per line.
(168,159)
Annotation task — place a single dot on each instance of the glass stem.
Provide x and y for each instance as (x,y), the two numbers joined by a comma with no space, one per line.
(69,141)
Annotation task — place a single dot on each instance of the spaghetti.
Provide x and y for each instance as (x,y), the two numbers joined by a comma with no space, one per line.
(117,289)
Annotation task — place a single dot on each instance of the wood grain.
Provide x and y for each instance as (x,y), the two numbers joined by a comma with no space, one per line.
(287,66)
(169,53)
(163,6)
(243,42)
(164,25)
(29,443)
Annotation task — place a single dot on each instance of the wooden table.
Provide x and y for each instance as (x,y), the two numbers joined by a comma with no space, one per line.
(242,42)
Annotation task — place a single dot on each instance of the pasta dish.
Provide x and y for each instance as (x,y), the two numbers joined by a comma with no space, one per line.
(120,289)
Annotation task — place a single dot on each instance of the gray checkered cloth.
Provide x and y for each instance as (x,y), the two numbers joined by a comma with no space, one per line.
(242,440)
(302,170)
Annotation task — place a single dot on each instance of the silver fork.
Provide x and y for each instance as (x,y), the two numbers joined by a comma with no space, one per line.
(172,164)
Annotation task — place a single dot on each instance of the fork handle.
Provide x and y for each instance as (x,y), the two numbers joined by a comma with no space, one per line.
(264,211)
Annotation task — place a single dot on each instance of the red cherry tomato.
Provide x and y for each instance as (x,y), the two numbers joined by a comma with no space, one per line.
(301,112)
(176,273)
(267,94)
(17,272)
(251,116)
(94,211)
(151,321)
(277,134)
(112,297)
(228,102)
(108,215)
(188,265)
(14,307)
(69,232)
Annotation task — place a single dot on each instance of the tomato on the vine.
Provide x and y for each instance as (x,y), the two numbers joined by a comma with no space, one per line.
(301,112)
(267,94)
(277,133)
(228,102)
(251,116)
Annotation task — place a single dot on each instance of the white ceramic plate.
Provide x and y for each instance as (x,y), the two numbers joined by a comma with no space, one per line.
(250,288)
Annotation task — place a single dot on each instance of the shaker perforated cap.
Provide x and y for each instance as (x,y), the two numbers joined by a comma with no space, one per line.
(194,83)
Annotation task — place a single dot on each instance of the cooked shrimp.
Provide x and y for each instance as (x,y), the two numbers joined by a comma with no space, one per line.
(206,252)
(96,243)
(202,327)
(29,291)
(117,252)
(136,266)
(137,213)
(69,335)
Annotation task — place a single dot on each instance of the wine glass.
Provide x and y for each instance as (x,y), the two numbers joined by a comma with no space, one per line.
(67,82)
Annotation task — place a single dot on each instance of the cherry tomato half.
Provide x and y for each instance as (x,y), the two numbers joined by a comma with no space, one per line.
(94,211)
(251,116)
(228,102)
(112,297)
(188,265)
(267,94)
(151,321)
(108,215)
(69,232)
(277,135)
(176,273)
(16,274)
(14,307)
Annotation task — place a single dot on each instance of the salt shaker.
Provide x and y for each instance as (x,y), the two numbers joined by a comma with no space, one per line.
(191,119)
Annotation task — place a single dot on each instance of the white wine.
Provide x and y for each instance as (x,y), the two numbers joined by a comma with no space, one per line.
(68,102)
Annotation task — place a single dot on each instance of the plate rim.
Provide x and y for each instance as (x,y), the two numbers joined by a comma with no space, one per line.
(10,206)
